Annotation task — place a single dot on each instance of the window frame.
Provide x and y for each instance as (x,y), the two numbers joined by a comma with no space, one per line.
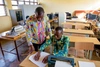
(21,1)
(4,8)
(24,2)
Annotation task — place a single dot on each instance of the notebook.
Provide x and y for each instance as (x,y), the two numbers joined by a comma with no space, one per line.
(62,64)
(86,64)
(39,62)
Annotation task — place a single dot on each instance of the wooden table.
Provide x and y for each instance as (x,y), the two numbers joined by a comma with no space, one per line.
(87,25)
(15,38)
(84,39)
(52,20)
(27,63)
(76,20)
(97,63)
(90,32)
(94,26)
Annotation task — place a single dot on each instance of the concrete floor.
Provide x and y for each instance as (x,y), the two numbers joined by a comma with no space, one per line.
(11,59)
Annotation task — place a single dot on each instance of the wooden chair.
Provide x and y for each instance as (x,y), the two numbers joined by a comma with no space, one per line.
(67,34)
(82,49)
(68,26)
(79,35)
(79,27)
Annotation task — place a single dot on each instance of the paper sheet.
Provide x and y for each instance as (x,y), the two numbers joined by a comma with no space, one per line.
(86,64)
(62,64)
(39,62)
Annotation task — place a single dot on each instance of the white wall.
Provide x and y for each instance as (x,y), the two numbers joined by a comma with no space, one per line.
(28,10)
(5,23)
(69,5)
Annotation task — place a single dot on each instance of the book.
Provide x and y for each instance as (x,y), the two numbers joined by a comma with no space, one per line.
(86,64)
(39,62)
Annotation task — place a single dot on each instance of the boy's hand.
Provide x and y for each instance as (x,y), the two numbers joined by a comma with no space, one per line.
(37,56)
(45,60)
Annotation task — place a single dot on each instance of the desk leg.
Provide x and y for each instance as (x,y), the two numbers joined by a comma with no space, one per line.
(1,50)
(91,55)
(16,50)
(87,54)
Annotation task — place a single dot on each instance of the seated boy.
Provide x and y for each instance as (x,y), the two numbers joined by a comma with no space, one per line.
(59,43)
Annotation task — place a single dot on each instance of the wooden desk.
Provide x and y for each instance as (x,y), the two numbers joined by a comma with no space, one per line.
(76,20)
(97,63)
(13,39)
(90,32)
(27,63)
(87,25)
(94,26)
(84,39)
(53,20)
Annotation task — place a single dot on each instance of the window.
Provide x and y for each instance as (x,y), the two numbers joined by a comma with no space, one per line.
(31,3)
(21,3)
(27,3)
(31,0)
(15,7)
(27,0)
(15,3)
(1,1)
(35,2)
(2,8)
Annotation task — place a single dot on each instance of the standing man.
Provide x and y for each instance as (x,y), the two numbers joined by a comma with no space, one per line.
(37,29)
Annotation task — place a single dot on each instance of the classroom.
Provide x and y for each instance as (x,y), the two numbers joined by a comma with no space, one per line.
(49,33)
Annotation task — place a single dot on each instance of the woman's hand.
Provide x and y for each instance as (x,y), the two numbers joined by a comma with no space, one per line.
(47,37)
(31,49)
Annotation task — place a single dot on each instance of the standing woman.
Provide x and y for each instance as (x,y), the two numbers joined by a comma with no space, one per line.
(37,29)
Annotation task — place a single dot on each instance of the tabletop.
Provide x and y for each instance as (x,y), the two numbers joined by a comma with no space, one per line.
(84,39)
(27,63)
(13,37)
(78,31)
(88,25)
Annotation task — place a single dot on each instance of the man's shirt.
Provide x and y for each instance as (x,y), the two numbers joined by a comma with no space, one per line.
(60,47)
(36,30)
